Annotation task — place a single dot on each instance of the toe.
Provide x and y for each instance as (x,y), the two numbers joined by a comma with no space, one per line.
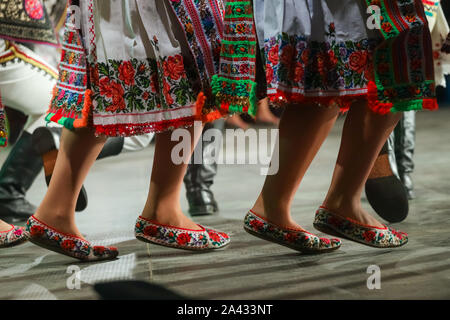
(335,242)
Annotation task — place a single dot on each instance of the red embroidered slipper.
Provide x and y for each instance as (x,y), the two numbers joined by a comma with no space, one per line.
(300,240)
(47,237)
(205,239)
(334,224)
(12,237)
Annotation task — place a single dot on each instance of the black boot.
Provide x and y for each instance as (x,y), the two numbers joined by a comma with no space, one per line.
(200,177)
(405,140)
(384,191)
(46,144)
(16,176)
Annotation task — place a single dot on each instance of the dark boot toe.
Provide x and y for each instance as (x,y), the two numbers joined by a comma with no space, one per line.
(388,197)
(201,203)
(16,210)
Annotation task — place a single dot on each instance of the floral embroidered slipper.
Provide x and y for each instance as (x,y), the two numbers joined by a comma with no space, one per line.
(334,224)
(12,237)
(47,237)
(300,240)
(206,239)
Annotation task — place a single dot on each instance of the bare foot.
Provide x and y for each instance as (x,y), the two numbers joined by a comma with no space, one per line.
(282,220)
(173,218)
(268,118)
(60,223)
(4,226)
(357,214)
(237,122)
(264,114)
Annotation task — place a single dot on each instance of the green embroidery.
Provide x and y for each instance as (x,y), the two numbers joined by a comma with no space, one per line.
(238,95)
(64,121)
(404,84)
(235,86)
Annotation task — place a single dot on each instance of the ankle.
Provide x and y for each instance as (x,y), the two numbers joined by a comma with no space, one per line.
(4,226)
(341,209)
(58,216)
(162,213)
(352,211)
(276,215)
(342,203)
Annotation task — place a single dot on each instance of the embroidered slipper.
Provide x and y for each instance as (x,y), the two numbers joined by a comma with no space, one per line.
(300,240)
(47,237)
(12,237)
(205,239)
(334,224)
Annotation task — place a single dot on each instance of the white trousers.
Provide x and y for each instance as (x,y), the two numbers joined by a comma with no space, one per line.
(26,86)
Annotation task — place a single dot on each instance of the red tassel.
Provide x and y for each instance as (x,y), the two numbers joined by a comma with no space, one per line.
(199,104)
(85,113)
(212,116)
(430,104)
(131,129)
(343,102)
(374,104)
(57,116)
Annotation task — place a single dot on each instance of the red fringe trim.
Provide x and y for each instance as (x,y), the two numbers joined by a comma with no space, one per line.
(209,117)
(86,112)
(343,102)
(199,104)
(131,129)
(214,115)
(58,115)
(225,107)
(374,104)
(430,104)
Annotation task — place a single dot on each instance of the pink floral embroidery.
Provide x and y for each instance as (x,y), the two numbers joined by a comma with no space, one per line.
(34,9)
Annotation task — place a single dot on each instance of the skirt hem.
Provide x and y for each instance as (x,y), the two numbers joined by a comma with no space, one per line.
(76,120)
(281,97)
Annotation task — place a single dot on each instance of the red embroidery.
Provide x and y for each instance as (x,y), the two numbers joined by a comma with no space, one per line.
(34,9)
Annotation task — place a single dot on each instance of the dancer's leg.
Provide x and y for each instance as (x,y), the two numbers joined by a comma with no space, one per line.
(363,136)
(302,131)
(4,226)
(163,202)
(264,114)
(77,154)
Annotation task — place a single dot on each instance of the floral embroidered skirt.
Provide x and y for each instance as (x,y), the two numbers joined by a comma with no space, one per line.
(323,52)
(135,67)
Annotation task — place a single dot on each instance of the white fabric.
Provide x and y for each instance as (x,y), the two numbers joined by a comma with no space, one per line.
(439,33)
(24,87)
(137,143)
(310,18)
(125,30)
(432,11)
